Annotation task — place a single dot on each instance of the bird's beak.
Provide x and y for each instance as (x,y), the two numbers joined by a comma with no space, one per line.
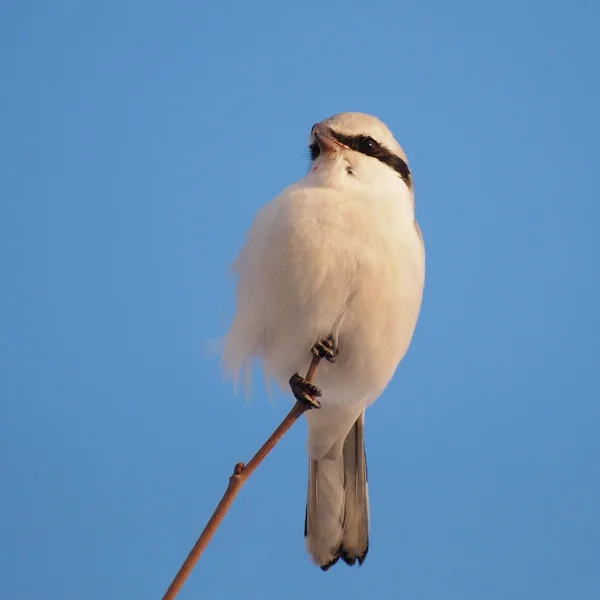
(326,141)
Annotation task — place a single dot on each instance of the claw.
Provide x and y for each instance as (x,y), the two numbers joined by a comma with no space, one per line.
(304,391)
(326,349)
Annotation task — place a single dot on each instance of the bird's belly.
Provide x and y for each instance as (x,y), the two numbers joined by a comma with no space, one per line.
(373,338)
(372,315)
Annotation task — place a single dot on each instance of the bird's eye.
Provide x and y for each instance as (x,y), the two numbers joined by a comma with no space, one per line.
(368,145)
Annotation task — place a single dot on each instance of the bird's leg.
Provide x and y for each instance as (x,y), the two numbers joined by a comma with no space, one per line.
(304,391)
(325,348)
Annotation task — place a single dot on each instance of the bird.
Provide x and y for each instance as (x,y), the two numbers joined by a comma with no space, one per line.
(334,266)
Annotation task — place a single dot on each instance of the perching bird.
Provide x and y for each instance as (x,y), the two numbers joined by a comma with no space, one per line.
(334,265)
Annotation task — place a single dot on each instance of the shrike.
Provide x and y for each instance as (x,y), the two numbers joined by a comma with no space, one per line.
(335,265)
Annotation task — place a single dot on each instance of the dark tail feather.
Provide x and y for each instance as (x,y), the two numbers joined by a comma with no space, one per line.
(337,510)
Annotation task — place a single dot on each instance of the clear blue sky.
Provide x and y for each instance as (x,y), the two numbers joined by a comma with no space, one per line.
(138,140)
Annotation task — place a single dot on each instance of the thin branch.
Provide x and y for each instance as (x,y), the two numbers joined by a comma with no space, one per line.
(240,474)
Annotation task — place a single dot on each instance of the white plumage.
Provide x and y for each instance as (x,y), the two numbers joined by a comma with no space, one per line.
(338,253)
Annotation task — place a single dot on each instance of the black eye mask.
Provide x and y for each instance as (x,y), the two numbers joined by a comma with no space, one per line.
(368,146)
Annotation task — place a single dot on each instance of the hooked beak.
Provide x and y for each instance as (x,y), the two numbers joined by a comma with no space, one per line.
(327,143)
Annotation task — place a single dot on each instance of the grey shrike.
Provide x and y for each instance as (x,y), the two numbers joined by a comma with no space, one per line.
(335,265)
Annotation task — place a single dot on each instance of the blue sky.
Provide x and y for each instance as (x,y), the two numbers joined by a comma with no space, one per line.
(138,139)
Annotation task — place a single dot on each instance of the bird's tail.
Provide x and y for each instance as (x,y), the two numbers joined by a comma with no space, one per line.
(337,509)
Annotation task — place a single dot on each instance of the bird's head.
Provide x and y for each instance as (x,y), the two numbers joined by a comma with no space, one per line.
(358,151)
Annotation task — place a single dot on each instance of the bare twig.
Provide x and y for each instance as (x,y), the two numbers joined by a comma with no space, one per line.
(240,474)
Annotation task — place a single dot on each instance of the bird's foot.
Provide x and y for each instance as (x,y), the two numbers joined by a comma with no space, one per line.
(304,391)
(326,349)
